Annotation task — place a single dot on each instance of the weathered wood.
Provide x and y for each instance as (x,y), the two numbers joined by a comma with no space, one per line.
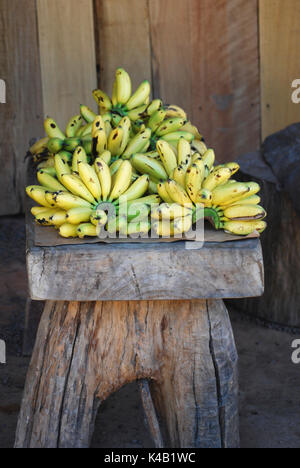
(67,51)
(281,252)
(86,351)
(122,38)
(21,114)
(144,271)
(206,60)
(279,44)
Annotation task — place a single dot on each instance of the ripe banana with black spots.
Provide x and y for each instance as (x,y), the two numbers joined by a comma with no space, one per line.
(46,180)
(104,175)
(52,129)
(38,194)
(103,101)
(78,215)
(167,156)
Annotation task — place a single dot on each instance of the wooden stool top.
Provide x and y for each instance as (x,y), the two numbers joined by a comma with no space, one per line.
(132,271)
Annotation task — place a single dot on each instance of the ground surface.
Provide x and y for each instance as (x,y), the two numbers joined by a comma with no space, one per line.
(269,382)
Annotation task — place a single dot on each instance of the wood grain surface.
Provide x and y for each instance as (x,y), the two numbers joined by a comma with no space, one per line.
(21,115)
(279,56)
(86,351)
(205,58)
(67,51)
(123,40)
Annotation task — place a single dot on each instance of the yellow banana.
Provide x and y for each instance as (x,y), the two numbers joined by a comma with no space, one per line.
(198,146)
(79,155)
(98,218)
(175,136)
(146,165)
(136,190)
(204,197)
(73,125)
(163,193)
(61,166)
(209,158)
(48,181)
(252,200)
(243,212)
(52,129)
(170,211)
(154,106)
(175,111)
(100,143)
(58,218)
(193,181)
(123,86)
(108,128)
(86,230)
(65,200)
(139,96)
(38,194)
(125,125)
(103,101)
(114,143)
(244,228)
(89,177)
(77,187)
(219,176)
(184,152)
(182,225)
(137,113)
(156,119)
(167,156)
(179,175)
(178,194)
(137,143)
(43,218)
(39,146)
(188,127)
(88,115)
(97,125)
(106,157)
(68,230)
(170,125)
(122,180)
(225,194)
(36,210)
(78,215)
(104,176)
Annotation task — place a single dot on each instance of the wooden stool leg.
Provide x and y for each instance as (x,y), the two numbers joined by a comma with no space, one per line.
(86,351)
(197,395)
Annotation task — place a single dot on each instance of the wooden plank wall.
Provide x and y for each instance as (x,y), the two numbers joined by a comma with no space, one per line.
(21,115)
(280,65)
(67,51)
(200,54)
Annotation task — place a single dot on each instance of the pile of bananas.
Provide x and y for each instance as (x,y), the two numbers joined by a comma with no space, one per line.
(135,165)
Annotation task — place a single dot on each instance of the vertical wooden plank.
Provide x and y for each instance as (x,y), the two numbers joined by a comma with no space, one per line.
(279,51)
(122,30)
(21,115)
(67,50)
(205,58)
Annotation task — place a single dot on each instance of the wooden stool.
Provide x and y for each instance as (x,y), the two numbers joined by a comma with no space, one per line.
(154,314)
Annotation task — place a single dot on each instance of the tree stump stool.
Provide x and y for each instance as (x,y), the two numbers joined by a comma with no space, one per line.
(124,312)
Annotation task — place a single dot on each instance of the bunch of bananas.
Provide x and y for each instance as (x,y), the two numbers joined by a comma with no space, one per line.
(83,201)
(108,169)
(191,187)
